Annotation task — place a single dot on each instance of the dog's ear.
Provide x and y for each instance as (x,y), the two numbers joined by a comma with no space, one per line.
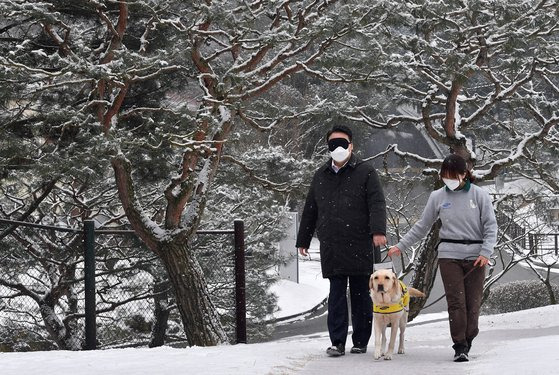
(371,281)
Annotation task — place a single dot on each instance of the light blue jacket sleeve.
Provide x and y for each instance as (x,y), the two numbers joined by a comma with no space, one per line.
(489,225)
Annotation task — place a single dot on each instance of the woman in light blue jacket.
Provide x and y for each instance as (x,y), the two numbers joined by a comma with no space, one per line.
(467,236)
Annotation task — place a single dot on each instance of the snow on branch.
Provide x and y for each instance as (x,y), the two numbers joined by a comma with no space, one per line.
(520,151)
(296,67)
(44,190)
(5,61)
(204,147)
(283,55)
(158,72)
(430,163)
(45,87)
(283,187)
(340,79)
(35,295)
(137,110)
(391,122)
(147,229)
(499,95)
(273,122)
(550,83)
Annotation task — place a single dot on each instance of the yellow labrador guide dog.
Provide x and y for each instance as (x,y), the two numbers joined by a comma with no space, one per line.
(391,298)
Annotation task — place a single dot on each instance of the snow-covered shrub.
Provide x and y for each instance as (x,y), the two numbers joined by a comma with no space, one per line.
(20,337)
(138,323)
(517,295)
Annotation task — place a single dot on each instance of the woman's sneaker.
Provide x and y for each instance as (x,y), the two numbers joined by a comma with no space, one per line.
(461,357)
(469,346)
(460,353)
(336,350)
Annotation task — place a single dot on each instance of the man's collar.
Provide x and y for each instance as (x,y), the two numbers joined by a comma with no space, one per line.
(335,168)
(352,162)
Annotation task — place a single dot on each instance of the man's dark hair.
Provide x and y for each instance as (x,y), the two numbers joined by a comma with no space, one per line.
(340,129)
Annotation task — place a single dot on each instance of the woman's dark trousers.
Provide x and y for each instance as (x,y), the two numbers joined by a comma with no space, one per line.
(463,285)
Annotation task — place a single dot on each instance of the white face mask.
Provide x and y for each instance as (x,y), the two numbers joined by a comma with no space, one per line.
(340,154)
(451,183)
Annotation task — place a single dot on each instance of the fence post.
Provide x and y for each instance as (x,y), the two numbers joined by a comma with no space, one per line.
(240,292)
(89,279)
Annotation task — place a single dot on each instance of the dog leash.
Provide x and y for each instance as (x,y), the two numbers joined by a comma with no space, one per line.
(383,264)
(490,263)
(444,294)
(466,275)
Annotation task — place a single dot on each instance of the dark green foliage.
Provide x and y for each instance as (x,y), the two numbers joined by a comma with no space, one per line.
(516,296)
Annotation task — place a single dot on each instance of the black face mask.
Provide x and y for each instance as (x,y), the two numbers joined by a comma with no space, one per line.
(334,143)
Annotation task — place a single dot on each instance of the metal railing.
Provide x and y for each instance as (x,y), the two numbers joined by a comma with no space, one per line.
(535,243)
(90,272)
(543,244)
(512,229)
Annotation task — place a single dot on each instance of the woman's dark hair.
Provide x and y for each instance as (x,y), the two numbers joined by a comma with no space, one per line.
(454,165)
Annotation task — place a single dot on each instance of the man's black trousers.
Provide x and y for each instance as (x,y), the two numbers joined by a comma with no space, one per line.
(361,310)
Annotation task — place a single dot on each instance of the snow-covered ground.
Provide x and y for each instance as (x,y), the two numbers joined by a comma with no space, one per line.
(297,298)
(516,343)
(311,290)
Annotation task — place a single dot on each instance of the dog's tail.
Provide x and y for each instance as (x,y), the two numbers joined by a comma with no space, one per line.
(416,293)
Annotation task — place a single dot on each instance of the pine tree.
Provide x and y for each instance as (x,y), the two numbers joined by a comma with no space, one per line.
(154,89)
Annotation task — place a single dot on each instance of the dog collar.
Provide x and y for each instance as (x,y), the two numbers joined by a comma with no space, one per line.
(396,307)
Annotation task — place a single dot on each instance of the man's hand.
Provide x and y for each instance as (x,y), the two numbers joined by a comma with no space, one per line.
(379,239)
(481,260)
(394,251)
(304,252)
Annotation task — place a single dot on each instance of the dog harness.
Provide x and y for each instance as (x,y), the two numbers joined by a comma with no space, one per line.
(396,307)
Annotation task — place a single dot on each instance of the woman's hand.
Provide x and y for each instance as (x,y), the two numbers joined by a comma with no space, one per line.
(481,260)
(394,251)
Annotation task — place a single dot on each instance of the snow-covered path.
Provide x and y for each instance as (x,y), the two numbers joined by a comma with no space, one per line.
(517,343)
(523,342)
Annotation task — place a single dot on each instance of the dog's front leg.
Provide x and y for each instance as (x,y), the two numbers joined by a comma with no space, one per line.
(379,335)
(383,344)
(403,322)
(393,334)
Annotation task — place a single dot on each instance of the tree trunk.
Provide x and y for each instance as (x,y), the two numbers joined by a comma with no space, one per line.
(65,339)
(425,271)
(549,287)
(64,332)
(199,317)
(161,313)
(71,323)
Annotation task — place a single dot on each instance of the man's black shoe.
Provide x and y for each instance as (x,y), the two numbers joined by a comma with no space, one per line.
(336,350)
(358,350)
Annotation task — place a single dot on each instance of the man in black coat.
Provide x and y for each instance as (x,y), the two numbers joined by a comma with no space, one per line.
(346,207)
